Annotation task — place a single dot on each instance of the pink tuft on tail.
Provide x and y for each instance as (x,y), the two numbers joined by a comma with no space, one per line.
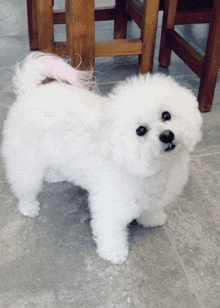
(58,68)
(39,65)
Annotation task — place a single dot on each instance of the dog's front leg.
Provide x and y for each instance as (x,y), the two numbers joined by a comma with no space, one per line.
(109,226)
(111,242)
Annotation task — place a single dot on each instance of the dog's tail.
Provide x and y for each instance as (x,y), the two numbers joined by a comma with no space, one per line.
(37,66)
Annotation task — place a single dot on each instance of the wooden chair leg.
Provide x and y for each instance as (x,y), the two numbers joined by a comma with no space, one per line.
(120,23)
(80,32)
(32,24)
(211,62)
(148,35)
(45,25)
(168,24)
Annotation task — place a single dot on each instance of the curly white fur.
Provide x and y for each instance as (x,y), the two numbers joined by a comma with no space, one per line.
(60,131)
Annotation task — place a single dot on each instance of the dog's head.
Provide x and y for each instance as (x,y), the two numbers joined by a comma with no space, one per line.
(151,119)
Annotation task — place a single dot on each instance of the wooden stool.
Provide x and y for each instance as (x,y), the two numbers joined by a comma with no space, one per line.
(205,67)
(80,16)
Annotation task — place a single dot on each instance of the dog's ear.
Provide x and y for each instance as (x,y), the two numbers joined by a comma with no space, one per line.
(193,124)
(186,108)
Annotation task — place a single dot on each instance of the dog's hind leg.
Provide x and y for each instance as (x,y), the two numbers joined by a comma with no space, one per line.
(25,172)
(152,219)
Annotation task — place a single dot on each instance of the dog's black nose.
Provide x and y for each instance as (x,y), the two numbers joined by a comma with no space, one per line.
(167,136)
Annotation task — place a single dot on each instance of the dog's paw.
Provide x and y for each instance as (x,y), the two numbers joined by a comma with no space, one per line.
(53,176)
(116,256)
(152,219)
(28,208)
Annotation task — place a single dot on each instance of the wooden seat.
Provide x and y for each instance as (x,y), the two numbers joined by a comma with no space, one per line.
(205,67)
(80,16)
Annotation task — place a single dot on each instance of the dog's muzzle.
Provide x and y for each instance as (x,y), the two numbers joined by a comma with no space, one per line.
(167,137)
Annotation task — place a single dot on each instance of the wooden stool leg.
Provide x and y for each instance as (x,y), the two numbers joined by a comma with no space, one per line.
(168,24)
(45,25)
(211,63)
(32,24)
(120,23)
(148,35)
(80,32)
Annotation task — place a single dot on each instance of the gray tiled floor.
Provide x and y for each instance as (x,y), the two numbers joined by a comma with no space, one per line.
(50,261)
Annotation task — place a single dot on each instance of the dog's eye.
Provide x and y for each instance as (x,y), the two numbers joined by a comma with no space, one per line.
(166,116)
(141,131)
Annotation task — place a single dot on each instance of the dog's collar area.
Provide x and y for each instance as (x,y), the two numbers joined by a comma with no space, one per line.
(169,147)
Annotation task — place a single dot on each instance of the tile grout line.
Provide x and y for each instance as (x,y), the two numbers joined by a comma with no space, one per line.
(183,267)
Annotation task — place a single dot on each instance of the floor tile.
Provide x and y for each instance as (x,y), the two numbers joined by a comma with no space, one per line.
(6,84)
(13,49)
(6,99)
(67,266)
(13,18)
(193,228)
(106,88)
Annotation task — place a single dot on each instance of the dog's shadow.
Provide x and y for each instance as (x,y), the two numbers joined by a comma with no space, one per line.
(65,218)
(64,215)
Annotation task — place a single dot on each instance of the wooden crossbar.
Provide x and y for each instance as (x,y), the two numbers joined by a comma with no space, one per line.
(186,52)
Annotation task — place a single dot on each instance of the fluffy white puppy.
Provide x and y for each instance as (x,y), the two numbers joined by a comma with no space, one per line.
(130,150)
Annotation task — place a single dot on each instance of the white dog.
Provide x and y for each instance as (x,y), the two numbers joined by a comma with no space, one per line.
(130,150)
